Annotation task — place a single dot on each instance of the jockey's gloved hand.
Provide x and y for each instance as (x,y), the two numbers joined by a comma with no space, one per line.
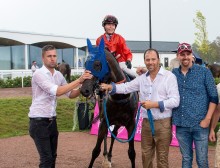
(128,63)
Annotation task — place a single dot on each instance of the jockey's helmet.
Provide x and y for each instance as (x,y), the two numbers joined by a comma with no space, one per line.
(110,19)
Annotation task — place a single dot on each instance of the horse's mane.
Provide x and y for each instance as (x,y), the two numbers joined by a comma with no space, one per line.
(116,72)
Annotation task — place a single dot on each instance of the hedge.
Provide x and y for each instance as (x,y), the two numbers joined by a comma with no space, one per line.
(17,82)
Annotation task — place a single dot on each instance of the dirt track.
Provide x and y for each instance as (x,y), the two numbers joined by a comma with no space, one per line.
(74,149)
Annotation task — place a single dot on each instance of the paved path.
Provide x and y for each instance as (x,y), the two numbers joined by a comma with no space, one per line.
(74,151)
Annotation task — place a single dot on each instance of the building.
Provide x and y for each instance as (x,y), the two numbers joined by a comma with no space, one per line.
(165,50)
(19,49)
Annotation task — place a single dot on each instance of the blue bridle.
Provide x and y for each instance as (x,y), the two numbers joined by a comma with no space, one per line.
(97,54)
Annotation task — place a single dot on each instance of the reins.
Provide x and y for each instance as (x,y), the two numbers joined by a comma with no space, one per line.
(108,125)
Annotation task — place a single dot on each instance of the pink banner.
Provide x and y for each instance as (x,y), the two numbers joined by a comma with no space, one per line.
(122,132)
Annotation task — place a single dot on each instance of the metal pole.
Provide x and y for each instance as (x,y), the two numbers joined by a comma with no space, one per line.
(150,24)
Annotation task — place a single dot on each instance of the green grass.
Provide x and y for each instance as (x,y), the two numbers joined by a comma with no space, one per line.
(14,119)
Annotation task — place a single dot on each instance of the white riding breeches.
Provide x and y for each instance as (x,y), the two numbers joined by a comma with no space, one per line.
(130,72)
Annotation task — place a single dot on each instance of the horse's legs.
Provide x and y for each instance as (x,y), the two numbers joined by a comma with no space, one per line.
(105,152)
(68,75)
(115,132)
(131,150)
(101,135)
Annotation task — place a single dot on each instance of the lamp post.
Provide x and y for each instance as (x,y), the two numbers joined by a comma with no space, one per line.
(150,40)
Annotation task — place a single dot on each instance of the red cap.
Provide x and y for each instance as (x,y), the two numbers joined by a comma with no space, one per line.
(184,47)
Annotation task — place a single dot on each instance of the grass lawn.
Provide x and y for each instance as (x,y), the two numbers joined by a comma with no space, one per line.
(14,119)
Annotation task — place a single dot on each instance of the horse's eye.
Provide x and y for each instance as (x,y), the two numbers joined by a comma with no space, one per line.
(97,65)
(88,57)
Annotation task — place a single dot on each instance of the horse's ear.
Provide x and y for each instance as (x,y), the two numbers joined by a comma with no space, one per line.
(89,44)
(102,45)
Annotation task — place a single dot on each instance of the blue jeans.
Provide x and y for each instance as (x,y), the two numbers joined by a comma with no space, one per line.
(186,136)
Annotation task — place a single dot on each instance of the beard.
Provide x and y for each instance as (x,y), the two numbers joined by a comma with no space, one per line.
(51,65)
(185,62)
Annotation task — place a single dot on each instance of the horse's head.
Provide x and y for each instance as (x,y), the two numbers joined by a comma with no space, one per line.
(103,66)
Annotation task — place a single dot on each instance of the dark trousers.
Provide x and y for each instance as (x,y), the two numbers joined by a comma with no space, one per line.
(45,136)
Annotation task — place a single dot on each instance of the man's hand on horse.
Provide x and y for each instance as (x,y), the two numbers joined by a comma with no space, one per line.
(86,75)
(106,87)
(141,70)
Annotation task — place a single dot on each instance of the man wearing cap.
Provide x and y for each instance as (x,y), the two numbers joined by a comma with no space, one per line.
(198,100)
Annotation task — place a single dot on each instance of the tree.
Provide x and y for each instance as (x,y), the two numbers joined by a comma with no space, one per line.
(215,50)
(201,40)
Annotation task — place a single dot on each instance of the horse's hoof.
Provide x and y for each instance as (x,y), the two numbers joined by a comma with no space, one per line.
(106,164)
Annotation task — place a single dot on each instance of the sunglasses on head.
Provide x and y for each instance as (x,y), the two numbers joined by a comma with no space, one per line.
(184,46)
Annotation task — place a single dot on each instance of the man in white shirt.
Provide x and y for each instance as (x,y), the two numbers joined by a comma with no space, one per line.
(158,91)
(47,84)
(34,66)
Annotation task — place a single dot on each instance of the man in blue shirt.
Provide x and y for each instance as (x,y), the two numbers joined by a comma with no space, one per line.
(198,100)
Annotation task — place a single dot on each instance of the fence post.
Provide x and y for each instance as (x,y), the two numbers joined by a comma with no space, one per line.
(1,75)
(22,79)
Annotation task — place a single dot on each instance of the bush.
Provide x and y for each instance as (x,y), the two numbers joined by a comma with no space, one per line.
(27,81)
(217,81)
(74,77)
(17,82)
(11,83)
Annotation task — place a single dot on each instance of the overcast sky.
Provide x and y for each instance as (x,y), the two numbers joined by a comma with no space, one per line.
(172,20)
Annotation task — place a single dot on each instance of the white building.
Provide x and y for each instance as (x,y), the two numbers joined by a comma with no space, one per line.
(165,49)
(19,49)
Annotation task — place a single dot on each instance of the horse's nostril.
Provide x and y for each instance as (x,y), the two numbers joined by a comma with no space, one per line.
(86,93)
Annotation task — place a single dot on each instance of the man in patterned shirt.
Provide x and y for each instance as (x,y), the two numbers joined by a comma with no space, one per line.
(198,100)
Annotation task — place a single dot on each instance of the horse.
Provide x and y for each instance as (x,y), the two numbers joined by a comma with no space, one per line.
(65,69)
(120,108)
(215,69)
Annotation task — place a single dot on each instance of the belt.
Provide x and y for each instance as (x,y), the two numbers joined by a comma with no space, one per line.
(168,118)
(43,119)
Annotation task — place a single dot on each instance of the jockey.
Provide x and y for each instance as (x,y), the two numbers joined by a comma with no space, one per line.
(116,44)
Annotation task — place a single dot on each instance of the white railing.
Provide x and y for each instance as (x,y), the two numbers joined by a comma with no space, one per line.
(5,74)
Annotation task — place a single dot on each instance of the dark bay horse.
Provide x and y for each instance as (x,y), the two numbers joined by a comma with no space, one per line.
(121,109)
(65,69)
(215,69)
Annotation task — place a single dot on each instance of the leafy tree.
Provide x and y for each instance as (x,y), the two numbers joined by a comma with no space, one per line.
(215,50)
(201,40)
